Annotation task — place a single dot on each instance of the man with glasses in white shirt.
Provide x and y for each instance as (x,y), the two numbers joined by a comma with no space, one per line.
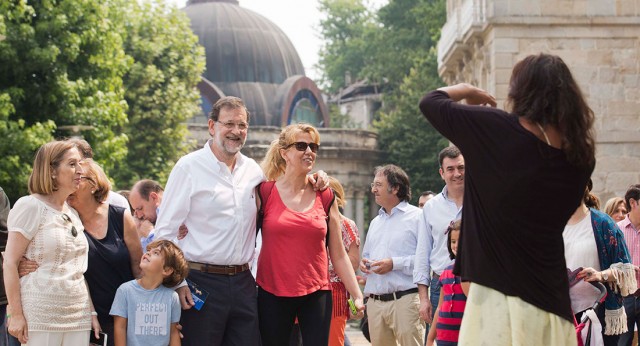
(388,261)
(432,255)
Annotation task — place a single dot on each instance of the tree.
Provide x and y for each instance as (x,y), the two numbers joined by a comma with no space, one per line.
(394,47)
(346,30)
(60,64)
(125,72)
(410,141)
(160,89)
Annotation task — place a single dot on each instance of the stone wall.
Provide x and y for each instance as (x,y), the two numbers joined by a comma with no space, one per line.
(598,39)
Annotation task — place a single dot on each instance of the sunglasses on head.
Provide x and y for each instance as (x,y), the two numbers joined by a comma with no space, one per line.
(302,146)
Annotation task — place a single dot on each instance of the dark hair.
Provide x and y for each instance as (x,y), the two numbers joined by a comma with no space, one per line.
(453,226)
(396,177)
(83,146)
(427,193)
(450,152)
(147,186)
(632,193)
(227,102)
(543,91)
(174,259)
(589,199)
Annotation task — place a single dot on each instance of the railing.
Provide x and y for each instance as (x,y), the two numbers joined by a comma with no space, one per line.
(469,15)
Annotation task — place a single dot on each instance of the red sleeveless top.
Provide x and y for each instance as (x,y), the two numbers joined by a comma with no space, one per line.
(293,260)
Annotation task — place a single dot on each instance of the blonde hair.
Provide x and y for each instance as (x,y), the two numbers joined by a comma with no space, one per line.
(46,161)
(338,191)
(612,204)
(98,179)
(273,164)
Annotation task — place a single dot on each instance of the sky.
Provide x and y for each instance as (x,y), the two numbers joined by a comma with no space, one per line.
(300,25)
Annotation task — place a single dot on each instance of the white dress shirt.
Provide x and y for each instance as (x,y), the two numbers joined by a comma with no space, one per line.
(393,236)
(217,206)
(432,252)
(118,200)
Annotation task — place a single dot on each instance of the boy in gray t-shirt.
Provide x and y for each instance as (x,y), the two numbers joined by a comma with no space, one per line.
(146,311)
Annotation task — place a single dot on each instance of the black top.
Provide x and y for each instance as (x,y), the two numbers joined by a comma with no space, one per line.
(519,194)
(109,267)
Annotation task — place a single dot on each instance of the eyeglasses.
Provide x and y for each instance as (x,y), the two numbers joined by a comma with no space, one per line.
(377,185)
(302,146)
(231,125)
(67,219)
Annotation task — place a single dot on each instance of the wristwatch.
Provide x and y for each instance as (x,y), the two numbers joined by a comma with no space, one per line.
(605,276)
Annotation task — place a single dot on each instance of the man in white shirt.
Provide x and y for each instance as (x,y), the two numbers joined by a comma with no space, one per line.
(212,192)
(388,260)
(438,212)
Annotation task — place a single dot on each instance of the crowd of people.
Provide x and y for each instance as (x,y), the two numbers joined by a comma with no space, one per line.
(486,259)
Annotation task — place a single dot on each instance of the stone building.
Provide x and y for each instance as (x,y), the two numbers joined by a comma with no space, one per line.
(598,39)
(248,56)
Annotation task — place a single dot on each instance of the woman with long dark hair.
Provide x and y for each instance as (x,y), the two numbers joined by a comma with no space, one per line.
(525,175)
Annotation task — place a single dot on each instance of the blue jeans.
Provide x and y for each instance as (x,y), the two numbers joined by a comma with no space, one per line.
(434,297)
(632,308)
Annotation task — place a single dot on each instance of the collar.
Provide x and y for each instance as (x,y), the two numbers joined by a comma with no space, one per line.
(240,159)
(626,222)
(403,206)
(445,193)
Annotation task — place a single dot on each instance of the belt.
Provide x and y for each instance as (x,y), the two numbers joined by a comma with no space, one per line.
(393,296)
(216,269)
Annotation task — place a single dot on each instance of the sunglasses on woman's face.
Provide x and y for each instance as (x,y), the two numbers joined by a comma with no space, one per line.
(67,219)
(302,146)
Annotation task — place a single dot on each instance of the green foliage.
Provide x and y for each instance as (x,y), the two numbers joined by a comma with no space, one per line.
(160,89)
(125,70)
(17,145)
(394,47)
(412,143)
(347,31)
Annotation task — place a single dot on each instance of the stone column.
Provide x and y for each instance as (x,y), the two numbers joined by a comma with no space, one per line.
(349,198)
(359,199)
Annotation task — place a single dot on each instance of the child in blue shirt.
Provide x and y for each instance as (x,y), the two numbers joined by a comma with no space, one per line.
(146,311)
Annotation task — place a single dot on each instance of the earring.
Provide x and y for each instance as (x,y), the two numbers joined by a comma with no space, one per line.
(93,191)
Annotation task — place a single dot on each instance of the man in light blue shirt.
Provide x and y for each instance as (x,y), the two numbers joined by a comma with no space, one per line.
(438,212)
(387,261)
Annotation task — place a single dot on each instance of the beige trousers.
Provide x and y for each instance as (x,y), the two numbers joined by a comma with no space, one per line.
(396,322)
(77,338)
(493,318)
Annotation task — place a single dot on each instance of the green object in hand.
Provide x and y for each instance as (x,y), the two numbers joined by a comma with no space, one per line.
(352,306)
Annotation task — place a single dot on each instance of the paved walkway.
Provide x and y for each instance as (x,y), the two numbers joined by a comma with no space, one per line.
(356,337)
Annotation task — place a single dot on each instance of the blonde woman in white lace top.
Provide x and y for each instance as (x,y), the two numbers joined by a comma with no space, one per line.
(50,306)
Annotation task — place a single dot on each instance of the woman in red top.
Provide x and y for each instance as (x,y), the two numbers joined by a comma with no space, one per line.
(292,274)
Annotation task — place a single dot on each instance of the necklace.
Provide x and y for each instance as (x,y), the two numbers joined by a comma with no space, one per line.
(544,133)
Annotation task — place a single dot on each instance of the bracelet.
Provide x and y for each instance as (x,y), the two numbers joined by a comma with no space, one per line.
(93,313)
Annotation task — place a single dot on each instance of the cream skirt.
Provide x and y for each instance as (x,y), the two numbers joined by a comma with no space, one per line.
(493,318)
